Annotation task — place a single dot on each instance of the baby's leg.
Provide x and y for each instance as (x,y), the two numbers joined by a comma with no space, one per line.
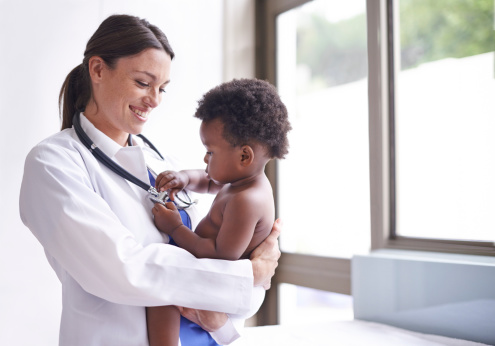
(163,325)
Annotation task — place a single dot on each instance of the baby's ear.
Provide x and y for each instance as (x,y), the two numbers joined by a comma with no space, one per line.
(247,155)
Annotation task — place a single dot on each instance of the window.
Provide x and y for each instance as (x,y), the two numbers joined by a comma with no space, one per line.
(323,184)
(303,306)
(316,55)
(431,80)
(444,120)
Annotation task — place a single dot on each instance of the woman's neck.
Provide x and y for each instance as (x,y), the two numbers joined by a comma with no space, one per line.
(101,123)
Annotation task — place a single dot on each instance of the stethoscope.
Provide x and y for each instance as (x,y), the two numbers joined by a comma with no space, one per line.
(155,196)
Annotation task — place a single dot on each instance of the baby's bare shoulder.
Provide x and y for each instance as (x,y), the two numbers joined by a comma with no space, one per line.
(253,196)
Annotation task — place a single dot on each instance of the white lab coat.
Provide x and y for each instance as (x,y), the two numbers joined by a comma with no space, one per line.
(98,234)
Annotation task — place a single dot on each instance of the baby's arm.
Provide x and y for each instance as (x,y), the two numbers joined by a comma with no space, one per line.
(240,217)
(195,179)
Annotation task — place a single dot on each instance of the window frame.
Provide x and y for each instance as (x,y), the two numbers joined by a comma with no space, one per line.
(383,53)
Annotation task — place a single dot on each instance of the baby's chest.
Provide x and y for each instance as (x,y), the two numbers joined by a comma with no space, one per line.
(211,224)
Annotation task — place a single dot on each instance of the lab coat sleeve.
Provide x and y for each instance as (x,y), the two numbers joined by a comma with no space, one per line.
(232,330)
(80,231)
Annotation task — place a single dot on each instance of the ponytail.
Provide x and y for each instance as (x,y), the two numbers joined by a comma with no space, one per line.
(74,94)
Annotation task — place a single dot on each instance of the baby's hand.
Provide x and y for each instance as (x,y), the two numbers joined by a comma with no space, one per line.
(167,217)
(172,181)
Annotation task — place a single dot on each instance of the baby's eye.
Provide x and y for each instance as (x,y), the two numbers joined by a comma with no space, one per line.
(209,153)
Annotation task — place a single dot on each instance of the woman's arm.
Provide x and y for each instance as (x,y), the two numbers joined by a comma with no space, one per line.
(85,235)
(264,260)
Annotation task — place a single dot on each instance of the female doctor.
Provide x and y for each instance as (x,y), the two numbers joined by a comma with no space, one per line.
(96,226)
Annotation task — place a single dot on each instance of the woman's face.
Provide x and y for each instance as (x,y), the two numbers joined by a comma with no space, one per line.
(125,95)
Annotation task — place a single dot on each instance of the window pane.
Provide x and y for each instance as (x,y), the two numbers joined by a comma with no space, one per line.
(445,121)
(322,78)
(306,306)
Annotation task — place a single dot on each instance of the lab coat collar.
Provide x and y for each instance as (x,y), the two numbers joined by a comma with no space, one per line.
(102,141)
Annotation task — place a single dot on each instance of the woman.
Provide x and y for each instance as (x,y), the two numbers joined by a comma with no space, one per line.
(97,228)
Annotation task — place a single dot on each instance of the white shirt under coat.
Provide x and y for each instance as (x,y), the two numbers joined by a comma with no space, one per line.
(98,234)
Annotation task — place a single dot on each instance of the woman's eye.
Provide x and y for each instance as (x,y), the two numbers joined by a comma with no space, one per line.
(143,84)
(163,91)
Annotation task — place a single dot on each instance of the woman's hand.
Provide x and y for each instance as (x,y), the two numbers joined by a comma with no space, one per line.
(208,320)
(173,181)
(167,217)
(265,257)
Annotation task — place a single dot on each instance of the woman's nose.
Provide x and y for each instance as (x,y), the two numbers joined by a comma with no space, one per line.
(153,99)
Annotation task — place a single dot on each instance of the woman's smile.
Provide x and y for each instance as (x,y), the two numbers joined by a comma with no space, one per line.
(141,114)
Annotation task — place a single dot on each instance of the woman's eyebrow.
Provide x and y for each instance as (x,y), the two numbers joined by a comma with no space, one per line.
(152,76)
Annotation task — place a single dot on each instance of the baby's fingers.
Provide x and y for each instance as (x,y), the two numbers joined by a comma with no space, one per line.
(161,179)
(166,180)
(172,193)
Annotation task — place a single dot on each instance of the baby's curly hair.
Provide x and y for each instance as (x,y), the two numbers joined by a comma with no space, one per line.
(251,111)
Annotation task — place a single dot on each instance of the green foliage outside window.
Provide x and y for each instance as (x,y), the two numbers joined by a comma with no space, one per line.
(335,53)
(438,29)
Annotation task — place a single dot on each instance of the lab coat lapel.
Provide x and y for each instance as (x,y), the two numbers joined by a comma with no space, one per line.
(132,160)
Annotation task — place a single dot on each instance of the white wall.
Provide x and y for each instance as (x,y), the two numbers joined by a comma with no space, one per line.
(40,42)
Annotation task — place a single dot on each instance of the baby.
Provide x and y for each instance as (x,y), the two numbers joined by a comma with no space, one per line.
(244,126)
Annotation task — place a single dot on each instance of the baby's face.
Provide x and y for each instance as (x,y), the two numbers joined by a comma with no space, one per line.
(222,159)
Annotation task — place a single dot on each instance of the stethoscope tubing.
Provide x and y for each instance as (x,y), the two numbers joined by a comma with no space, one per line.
(114,167)
(108,162)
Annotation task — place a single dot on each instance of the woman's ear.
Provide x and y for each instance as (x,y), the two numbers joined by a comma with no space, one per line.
(96,66)
(247,155)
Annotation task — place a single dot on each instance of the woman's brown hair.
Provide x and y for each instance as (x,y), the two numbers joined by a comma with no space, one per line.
(117,36)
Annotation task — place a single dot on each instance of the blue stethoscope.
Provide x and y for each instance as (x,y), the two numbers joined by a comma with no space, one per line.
(155,196)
